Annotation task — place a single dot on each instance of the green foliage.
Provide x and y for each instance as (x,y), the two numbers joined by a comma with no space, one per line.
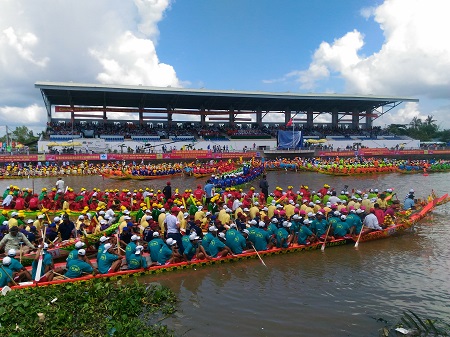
(22,135)
(417,326)
(426,130)
(93,308)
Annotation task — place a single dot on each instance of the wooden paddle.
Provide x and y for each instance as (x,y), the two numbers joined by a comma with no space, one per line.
(359,237)
(10,277)
(325,241)
(258,255)
(20,259)
(37,277)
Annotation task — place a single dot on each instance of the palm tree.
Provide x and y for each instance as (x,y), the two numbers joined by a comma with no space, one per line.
(429,120)
(415,123)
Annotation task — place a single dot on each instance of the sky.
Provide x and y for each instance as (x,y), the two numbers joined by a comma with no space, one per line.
(389,48)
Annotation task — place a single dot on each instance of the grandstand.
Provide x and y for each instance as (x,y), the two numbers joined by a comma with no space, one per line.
(137,118)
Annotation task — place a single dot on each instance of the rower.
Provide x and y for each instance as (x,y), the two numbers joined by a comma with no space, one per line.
(6,273)
(154,246)
(169,253)
(131,247)
(217,247)
(109,261)
(78,266)
(371,222)
(409,202)
(194,250)
(47,264)
(13,238)
(19,271)
(305,235)
(136,260)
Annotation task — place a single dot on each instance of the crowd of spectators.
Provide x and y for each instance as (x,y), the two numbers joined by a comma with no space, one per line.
(211,132)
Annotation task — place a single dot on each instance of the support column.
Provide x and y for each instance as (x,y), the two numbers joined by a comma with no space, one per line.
(309,118)
(355,119)
(334,118)
(202,117)
(105,118)
(287,115)
(259,117)
(169,118)
(141,117)
(231,118)
(369,119)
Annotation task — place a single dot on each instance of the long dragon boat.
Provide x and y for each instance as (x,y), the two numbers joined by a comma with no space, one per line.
(385,233)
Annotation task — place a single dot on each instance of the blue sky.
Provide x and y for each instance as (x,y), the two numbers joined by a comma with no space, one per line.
(384,47)
(238,44)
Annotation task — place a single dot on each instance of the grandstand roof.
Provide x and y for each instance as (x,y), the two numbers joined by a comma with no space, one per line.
(126,96)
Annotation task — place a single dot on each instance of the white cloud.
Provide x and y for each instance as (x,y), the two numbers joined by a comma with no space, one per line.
(402,116)
(131,60)
(414,59)
(108,41)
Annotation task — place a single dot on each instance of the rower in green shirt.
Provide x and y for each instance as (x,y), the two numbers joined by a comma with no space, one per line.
(77,267)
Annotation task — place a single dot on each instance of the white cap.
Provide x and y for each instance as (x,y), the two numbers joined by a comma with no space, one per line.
(81,252)
(310,214)
(246,231)
(13,214)
(343,217)
(193,236)
(126,212)
(148,217)
(253,222)
(185,215)
(222,235)
(233,225)
(81,217)
(103,222)
(155,234)
(261,224)
(126,217)
(306,221)
(12,252)
(139,248)
(79,244)
(135,237)
(6,261)
(104,238)
(209,213)
(106,247)
(295,217)
(45,245)
(57,219)
(411,191)
(41,216)
(163,210)
(101,212)
(30,221)
(212,229)
(170,241)
(274,220)
(359,211)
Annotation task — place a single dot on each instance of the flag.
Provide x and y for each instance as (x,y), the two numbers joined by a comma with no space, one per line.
(289,123)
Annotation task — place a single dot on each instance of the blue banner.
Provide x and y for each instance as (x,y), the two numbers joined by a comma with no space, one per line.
(290,139)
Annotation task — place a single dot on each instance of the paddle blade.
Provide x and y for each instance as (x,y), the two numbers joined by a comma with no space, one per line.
(356,244)
(323,247)
(37,277)
(5,290)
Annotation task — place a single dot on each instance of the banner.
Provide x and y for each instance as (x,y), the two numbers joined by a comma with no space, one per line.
(290,139)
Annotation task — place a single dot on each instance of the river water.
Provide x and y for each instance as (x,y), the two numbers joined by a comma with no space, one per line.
(340,292)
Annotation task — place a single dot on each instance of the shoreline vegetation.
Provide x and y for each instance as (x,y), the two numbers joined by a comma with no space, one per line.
(94,308)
